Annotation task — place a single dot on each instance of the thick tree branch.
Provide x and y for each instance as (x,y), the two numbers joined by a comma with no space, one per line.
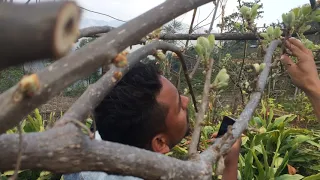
(214,16)
(91,31)
(218,36)
(178,80)
(222,36)
(37,31)
(200,115)
(97,91)
(84,61)
(222,145)
(15,175)
(66,150)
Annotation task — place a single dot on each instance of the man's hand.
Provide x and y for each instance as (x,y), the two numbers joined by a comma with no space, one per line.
(231,160)
(303,73)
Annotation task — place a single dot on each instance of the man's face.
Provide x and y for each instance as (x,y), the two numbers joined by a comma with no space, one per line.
(177,121)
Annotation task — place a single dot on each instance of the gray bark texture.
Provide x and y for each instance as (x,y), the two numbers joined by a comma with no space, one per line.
(66,149)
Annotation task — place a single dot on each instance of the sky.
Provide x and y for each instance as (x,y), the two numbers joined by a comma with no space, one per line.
(128,9)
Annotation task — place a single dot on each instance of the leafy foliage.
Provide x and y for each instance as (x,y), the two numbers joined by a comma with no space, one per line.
(271,146)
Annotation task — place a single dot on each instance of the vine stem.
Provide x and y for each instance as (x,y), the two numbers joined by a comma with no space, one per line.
(200,115)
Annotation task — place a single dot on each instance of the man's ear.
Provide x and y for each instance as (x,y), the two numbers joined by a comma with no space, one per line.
(160,144)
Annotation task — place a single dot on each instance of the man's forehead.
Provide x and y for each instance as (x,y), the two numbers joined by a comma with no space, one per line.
(168,93)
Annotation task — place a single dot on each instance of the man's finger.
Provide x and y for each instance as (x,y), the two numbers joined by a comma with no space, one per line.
(298,44)
(296,51)
(214,135)
(288,63)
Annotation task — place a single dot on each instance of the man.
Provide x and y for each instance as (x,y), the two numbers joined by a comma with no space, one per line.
(145,110)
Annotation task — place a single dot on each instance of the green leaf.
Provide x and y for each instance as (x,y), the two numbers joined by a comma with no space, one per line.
(289,177)
(89,122)
(296,12)
(306,9)
(285,19)
(258,148)
(244,10)
(317,167)
(211,39)
(303,158)
(244,140)
(207,130)
(254,11)
(257,121)
(292,131)
(278,162)
(270,116)
(283,120)
(241,161)
(299,139)
(270,31)
(303,29)
(283,164)
(316,12)
(277,32)
(291,18)
(316,18)
(204,42)
(258,163)
(199,49)
(285,160)
(313,143)
(265,156)
(313,177)
(180,150)
(276,152)
(265,36)
(248,170)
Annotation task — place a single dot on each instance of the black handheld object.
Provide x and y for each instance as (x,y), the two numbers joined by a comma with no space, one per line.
(227,121)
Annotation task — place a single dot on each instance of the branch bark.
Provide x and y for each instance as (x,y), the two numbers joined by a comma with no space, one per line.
(82,62)
(223,144)
(214,16)
(195,68)
(200,115)
(67,150)
(222,36)
(37,31)
(218,36)
(91,31)
(97,91)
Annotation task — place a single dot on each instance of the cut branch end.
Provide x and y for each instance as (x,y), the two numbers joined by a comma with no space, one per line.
(67,29)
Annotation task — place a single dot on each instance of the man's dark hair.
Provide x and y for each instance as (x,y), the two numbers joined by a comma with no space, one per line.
(130,113)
